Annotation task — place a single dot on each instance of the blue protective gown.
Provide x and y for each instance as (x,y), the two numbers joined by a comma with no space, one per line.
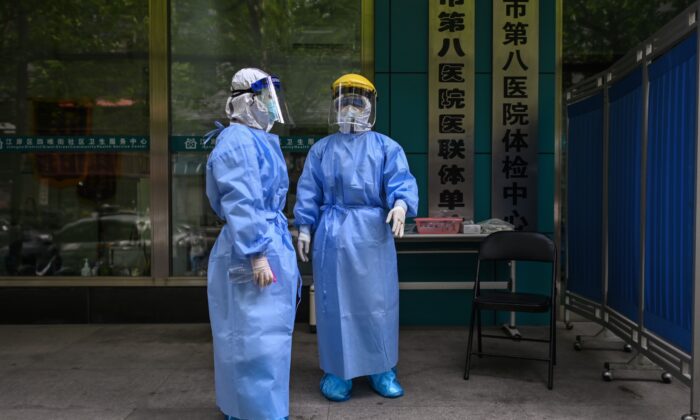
(252,327)
(349,183)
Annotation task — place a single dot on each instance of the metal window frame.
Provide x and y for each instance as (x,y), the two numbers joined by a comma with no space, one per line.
(159,82)
(694,367)
(558,150)
(159,155)
(367,39)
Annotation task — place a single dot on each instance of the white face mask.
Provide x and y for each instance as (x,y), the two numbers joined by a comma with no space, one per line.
(352,117)
(350,114)
(261,114)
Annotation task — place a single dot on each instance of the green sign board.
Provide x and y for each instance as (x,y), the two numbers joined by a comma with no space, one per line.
(52,144)
(297,144)
(196,144)
(189,144)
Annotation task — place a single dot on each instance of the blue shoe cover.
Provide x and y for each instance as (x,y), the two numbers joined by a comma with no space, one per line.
(226,417)
(335,388)
(386,384)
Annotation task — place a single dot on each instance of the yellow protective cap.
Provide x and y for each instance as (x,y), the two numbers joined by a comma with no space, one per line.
(354,80)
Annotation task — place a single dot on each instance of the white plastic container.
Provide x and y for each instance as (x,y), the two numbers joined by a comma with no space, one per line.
(471,229)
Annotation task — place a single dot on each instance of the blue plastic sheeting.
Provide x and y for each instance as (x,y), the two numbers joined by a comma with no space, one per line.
(670,201)
(585,197)
(625,110)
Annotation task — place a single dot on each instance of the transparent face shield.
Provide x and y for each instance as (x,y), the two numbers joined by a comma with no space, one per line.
(352,109)
(269,94)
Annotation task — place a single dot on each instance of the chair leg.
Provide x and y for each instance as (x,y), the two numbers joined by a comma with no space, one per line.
(467,364)
(552,335)
(478,331)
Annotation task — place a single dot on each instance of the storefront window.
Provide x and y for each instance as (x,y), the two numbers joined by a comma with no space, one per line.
(307,44)
(74,163)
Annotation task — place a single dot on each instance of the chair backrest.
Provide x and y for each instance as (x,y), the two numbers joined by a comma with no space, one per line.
(518,246)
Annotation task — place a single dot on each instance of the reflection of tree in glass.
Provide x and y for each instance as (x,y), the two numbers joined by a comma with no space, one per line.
(81,51)
(74,68)
(599,32)
(306,43)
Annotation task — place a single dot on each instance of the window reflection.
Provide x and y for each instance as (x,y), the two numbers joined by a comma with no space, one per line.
(74,164)
(306,44)
(62,211)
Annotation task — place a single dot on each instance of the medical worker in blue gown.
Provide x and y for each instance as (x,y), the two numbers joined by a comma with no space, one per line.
(253,276)
(355,182)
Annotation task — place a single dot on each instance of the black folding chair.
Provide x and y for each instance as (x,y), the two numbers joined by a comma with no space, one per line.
(515,246)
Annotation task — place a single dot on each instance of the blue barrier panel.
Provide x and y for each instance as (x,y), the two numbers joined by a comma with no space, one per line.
(585,197)
(625,110)
(670,199)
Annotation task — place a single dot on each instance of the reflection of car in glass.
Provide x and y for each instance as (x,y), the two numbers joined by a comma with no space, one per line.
(113,244)
(4,230)
(29,253)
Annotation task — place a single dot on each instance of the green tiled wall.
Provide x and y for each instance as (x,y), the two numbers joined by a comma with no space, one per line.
(409,111)
(408,30)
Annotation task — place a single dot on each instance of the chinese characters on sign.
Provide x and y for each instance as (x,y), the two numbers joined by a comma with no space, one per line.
(196,144)
(74,144)
(53,144)
(515,95)
(451,108)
